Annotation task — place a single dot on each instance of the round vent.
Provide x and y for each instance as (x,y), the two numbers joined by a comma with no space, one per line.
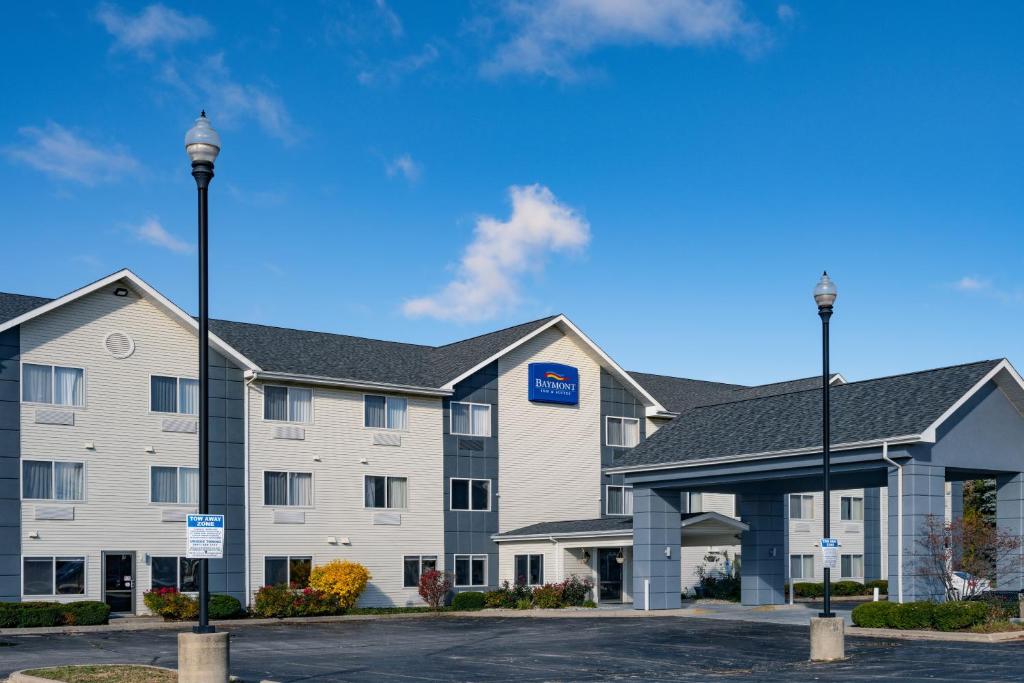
(119,345)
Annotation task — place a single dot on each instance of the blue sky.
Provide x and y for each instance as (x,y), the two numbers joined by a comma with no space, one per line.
(673,175)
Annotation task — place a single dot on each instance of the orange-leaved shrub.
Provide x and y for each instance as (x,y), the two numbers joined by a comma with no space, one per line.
(343,579)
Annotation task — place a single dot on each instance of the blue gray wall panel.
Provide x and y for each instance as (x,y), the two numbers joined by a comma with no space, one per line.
(1010,516)
(656,527)
(924,498)
(10,466)
(763,549)
(872,534)
(616,401)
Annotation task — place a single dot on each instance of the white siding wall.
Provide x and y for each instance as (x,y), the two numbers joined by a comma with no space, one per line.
(337,436)
(693,557)
(550,465)
(805,533)
(117,514)
(508,550)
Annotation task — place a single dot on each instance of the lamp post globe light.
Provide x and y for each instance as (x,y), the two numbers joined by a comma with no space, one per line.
(825,296)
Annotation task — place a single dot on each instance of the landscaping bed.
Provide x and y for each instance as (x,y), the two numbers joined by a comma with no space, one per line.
(39,613)
(116,673)
(971,616)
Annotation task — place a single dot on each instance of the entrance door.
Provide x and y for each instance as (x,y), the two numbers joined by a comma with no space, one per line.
(609,574)
(119,581)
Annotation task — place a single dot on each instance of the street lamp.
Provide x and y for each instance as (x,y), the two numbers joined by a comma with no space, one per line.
(203,145)
(825,295)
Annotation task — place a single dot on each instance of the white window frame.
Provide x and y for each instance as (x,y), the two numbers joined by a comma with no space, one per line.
(312,407)
(451,418)
(451,497)
(53,482)
(176,488)
(690,498)
(53,387)
(803,497)
(852,575)
(436,557)
(607,432)
(851,499)
(802,557)
(289,506)
(387,491)
(53,574)
(529,559)
(288,564)
(387,398)
(177,394)
(177,572)
(607,500)
(455,564)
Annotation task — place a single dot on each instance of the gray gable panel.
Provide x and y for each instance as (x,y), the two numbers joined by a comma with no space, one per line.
(861,411)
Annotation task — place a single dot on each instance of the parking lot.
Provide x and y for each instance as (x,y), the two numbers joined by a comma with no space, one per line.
(531,649)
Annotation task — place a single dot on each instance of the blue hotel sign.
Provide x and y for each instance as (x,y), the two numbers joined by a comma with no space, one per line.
(554,383)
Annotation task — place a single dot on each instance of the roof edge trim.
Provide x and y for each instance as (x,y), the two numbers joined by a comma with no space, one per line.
(1002,370)
(347,383)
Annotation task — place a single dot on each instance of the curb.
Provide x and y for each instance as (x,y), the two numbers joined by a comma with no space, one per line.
(22,677)
(943,636)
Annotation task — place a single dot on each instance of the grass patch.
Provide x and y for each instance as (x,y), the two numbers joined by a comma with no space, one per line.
(996,627)
(106,674)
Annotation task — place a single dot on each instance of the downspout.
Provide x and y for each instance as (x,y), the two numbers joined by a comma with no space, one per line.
(248,518)
(899,519)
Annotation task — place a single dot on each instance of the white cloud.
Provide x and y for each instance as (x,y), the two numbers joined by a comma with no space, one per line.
(391,20)
(393,71)
(489,273)
(152,232)
(405,166)
(971,284)
(550,36)
(60,153)
(155,25)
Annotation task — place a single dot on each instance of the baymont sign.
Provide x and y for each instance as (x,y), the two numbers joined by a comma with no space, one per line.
(554,383)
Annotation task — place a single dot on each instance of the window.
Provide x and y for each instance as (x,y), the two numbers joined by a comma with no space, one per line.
(181,573)
(178,485)
(413,567)
(287,571)
(52,480)
(385,492)
(53,576)
(695,502)
(385,412)
(53,384)
(470,570)
(471,494)
(851,566)
(173,395)
(801,506)
(471,419)
(287,404)
(619,500)
(851,509)
(622,431)
(529,570)
(288,488)
(801,566)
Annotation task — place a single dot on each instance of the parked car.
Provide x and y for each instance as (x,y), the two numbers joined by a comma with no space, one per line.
(966,585)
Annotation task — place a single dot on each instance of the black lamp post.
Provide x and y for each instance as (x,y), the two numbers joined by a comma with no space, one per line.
(825,296)
(203,145)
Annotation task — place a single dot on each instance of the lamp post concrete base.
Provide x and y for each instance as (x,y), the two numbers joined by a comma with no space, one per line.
(203,657)
(828,639)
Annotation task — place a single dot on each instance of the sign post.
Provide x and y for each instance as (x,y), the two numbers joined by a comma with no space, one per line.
(205,536)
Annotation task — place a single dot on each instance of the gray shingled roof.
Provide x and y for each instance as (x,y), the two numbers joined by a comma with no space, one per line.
(873,409)
(679,394)
(584,526)
(13,305)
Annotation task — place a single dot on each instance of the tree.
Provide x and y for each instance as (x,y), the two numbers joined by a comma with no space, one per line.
(980,498)
(434,587)
(983,549)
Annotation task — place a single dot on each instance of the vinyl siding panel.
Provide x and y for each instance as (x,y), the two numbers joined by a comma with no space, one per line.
(805,534)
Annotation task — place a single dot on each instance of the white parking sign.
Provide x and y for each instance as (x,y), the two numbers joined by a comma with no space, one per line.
(830,552)
(205,537)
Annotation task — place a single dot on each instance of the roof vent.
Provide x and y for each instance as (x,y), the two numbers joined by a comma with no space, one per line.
(119,345)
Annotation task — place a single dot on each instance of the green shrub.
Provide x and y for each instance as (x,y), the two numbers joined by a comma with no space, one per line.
(39,615)
(468,600)
(224,607)
(953,616)
(85,613)
(548,596)
(874,614)
(913,615)
(575,591)
(1001,607)
(524,603)
(809,590)
(589,604)
(881,584)
(8,614)
(170,604)
(282,601)
(508,596)
(845,588)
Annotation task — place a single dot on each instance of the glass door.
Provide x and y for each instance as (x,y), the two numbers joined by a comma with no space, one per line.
(609,574)
(119,581)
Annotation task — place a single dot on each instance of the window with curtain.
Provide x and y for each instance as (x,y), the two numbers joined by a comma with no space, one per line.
(53,384)
(385,412)
(470,570)
(801,566)
(470,494)
(413,567)
(288,488)
(176,485)
(801,506)
(622,432)
(287,571)
(695,502)
(52,480)
(851,509)
(288,404)
(619,500)
(471,419)
(529,570)
(851,566)
(173,395)
(385,492)
(53,576)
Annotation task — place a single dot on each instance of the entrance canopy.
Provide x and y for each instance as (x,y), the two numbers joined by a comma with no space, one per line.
(698,529)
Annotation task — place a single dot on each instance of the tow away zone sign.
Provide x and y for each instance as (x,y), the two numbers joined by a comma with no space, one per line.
(205,537)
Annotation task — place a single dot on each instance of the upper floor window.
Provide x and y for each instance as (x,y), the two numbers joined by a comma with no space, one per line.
(287,404)
(52,480)
(471,494)
(178,485)
(53,384)
(53,576)
(851,509)
(801,506)
(695,502)
(288,488)
(181,573)
(385,412)
(619,500)
(173,395)
(385,492)
(471,419)
(622,431)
